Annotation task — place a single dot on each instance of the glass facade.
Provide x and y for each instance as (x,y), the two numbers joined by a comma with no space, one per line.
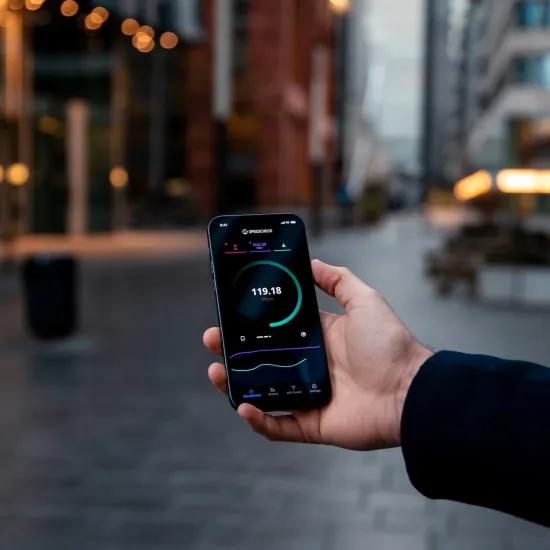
(93,109)
(533,14)
(533,70)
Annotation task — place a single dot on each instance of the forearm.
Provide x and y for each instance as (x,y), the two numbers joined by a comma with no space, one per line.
(476,429)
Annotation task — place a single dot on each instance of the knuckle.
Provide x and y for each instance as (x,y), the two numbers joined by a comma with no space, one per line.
(372,293)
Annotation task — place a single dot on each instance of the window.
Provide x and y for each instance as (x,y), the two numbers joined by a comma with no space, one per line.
(532,70)
(533,14)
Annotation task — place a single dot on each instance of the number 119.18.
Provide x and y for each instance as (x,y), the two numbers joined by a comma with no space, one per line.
(264,291)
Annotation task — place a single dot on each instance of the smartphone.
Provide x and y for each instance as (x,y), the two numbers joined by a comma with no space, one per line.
(267,310)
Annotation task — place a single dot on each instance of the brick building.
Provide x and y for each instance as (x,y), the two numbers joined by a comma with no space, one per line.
(282,55)
(148,113)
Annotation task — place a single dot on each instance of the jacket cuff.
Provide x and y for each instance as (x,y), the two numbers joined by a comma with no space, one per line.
(446,417)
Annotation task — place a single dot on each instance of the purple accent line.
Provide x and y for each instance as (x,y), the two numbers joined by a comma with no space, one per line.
(253,251)
(274,349)
(244,252)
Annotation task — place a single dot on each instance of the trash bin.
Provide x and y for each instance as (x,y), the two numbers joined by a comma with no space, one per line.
(50,295)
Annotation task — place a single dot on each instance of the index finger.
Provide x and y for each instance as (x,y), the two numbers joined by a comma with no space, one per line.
(338,282)
(212,340)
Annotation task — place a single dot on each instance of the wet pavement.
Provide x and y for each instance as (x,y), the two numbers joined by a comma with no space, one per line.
(115,440)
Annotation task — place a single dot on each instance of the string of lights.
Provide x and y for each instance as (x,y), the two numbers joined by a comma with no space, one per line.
(143,37)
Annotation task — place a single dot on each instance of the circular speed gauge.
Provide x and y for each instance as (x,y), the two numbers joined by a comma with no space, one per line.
(267,292)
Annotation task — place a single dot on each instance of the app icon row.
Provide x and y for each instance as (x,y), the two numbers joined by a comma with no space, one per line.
(289,389)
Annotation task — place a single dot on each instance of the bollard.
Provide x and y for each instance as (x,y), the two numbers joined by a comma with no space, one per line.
(50,295)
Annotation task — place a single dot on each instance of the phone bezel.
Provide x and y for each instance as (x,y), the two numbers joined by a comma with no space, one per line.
(280,404)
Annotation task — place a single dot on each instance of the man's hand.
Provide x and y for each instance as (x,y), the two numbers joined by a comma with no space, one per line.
(372,359)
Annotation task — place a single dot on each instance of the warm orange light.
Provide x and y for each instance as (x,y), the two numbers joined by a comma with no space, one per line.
(524,181)
(69,8)
(148,30)
(148,48)
(129,26)
(49,125)
(3,13)
(95,18)
(143,42)
(17,174)
(92,22)
(118,177)
(16,4)
(169,40)
(33,5)
(101,13)
(473,186)
(1,174)
(339,6)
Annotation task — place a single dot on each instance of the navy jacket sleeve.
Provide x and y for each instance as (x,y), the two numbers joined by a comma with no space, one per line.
(476,429)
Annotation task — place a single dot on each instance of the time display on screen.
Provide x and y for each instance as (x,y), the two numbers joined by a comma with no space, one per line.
(264,291)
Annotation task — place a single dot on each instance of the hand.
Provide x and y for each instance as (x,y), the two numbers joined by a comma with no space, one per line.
(372,359)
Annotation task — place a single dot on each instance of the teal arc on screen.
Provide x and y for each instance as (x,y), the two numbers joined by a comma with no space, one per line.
(298,305)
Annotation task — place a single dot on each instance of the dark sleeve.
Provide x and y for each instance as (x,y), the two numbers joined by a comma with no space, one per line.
(476,429)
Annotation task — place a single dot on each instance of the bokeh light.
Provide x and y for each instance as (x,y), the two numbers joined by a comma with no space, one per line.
(129,26)
(50,125)
(69,8)
(92,22)
(143,41)
(18,174)
(118,177)
(101,14)
(169,40)
(33,5)
(339,6)
(148,30)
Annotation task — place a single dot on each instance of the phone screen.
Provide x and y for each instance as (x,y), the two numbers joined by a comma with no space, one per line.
(271,331)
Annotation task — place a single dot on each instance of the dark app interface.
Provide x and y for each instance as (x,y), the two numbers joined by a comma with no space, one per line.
(268,308)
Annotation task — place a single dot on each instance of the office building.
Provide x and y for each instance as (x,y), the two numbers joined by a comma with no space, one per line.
(506,101)
(438,97)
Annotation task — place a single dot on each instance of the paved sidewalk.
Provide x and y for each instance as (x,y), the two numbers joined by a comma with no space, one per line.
(115,440)
(121,245)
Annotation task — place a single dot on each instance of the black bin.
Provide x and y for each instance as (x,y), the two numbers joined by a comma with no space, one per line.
(50,291)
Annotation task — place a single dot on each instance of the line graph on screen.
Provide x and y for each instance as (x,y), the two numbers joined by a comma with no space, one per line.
(271,365)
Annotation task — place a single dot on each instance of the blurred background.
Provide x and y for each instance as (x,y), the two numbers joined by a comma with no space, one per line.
(414,139)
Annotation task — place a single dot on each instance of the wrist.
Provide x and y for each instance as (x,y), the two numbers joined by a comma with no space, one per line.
(418,355)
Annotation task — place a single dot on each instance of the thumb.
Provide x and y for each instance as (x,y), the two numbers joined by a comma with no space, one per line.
(338,282)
